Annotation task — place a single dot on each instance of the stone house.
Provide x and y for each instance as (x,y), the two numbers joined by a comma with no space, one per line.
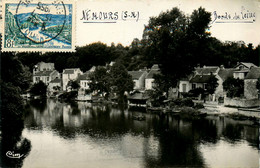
(45,76)
(84,81)
(242,68)
(42,66)
(198,79)
(54,83)
(149,79)
(250,90)
(222,75)
(138,78)
(44,72)
(69,74)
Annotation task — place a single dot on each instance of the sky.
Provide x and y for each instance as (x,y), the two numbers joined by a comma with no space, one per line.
(124,30)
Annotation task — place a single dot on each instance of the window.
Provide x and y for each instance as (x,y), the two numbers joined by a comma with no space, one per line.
(48,78)
(85,84)
(193,86)
(184,88)
(205,86)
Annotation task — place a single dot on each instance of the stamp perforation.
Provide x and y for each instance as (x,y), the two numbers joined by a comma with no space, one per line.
(39,26)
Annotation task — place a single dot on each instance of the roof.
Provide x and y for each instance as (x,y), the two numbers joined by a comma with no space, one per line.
(207,70)
(69,71)
(246,64)
(200,79)
(43,73)
(136,74)
(151,73)
(84,76)
(241,71)
(155,67)
(56,80)
(226,73)
(254,73)
(50,63)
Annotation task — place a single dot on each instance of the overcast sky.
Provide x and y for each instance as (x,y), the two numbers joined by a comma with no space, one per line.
(124,31)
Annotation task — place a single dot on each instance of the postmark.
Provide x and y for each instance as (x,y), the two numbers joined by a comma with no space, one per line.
(39,25)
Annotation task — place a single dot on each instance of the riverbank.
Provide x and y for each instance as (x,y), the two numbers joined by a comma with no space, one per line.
(219,109)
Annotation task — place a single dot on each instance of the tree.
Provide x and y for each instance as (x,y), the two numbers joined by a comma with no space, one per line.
(74,85)
(212,84)
(39,89)
(100,81)
(168,36)
(19,76)
(234,87)
(160,89)
(12,109)
(121,81)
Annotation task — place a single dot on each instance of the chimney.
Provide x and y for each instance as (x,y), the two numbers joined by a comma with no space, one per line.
(222,67)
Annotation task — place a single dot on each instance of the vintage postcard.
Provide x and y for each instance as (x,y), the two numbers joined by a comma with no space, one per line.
(38,25)
(151,84)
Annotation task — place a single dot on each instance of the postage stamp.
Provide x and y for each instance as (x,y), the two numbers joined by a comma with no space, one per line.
(38,25)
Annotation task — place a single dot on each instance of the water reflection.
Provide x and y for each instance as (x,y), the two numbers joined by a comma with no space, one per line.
(110,137)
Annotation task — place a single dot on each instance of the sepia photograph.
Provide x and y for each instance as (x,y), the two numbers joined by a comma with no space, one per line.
(129,83)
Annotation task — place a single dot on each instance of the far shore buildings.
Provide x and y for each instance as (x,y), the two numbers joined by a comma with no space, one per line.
(200,77)
(138,79)
(44,72)
(149,79)
(144,79)
(70,74)
(250,90)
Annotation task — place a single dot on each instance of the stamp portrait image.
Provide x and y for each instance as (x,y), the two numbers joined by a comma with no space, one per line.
(35,25)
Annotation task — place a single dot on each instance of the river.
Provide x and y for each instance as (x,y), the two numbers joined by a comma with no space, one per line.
(92,135)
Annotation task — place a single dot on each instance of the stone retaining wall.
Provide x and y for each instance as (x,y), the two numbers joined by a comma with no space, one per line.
(237,102)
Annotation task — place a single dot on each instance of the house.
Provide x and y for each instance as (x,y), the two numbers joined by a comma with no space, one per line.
(138,79)
(250,90)
(69,74)
(44,72)
(84,81)
(242,68)
(149,79)
(251,98)
(198,79)
(42,66)
(54,86)
(45,76)
(222,75)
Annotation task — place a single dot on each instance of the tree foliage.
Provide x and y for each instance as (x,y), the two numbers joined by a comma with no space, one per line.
(212,84)
(100,81)
(168,36)
(121,81)
(234,87)
(39,89)
(74,85)
(13,82)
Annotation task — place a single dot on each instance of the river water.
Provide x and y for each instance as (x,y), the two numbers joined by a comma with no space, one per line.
(84,135)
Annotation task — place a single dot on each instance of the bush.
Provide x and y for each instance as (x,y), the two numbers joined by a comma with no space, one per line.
(39,89)
(182,102)
(68,96)
(199,106)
